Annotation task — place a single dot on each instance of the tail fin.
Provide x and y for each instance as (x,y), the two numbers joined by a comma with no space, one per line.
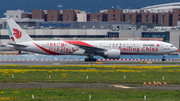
(16,33)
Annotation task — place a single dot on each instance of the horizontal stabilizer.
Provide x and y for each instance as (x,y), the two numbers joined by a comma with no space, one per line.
(17,45)
(6,48)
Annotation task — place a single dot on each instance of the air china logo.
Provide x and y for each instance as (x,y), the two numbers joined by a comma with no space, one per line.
(17,33)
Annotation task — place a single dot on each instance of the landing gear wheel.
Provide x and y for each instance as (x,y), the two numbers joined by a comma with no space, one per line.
(90,59)
(94,59)
(86,59)
(163,59)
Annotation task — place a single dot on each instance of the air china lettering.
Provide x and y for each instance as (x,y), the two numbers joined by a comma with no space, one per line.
(148,44)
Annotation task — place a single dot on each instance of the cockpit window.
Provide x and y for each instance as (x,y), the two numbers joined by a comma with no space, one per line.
(172,46)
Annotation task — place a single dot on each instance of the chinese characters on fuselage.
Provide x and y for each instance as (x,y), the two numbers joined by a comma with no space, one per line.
(61,47)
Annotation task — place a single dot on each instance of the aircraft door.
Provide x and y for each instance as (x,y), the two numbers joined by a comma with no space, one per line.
(100,46)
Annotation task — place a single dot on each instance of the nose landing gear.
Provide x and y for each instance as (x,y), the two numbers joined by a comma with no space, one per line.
(163,59)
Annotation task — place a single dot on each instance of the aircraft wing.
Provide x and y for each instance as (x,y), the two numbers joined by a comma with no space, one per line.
(89,49)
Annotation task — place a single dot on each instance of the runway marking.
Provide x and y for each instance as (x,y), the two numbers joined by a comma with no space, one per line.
(121,86)
(56,63)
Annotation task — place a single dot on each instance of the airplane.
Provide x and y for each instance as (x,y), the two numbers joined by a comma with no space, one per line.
(111,49)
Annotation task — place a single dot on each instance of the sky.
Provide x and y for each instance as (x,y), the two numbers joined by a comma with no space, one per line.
(87,5)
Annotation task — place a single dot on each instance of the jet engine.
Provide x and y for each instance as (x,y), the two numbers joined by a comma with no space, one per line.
(112,54)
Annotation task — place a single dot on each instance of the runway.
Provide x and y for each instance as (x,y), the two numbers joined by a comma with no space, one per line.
(87,86)
(89,63)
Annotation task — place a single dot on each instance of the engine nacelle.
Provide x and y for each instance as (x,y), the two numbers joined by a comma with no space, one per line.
(112,54)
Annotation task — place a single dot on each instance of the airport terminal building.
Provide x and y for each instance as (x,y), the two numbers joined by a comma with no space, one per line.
(159,21)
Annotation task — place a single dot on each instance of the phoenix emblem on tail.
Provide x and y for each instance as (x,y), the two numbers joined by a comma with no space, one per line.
(17,33)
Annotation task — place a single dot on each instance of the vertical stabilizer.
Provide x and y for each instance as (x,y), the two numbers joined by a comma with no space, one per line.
(16,33)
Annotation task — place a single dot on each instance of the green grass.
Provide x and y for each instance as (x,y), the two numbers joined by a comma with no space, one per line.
(104,75)
(74,94)
(170,74)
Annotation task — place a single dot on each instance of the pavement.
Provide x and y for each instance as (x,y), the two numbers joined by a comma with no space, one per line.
(87,86)
(135,63)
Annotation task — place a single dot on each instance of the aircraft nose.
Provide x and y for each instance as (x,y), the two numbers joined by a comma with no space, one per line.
(175,49)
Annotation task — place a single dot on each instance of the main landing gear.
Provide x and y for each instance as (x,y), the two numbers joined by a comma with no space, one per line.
(90,58)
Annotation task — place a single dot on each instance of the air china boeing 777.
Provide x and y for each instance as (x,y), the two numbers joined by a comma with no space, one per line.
(110,49)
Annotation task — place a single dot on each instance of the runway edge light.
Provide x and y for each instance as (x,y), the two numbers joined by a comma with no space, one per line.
(32,96)
(89,97)
(13,76)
